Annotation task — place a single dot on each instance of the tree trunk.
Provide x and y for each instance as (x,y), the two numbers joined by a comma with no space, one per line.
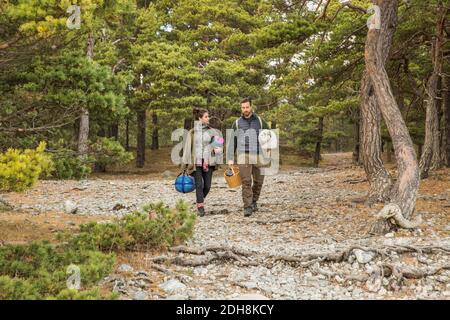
(127,133)
(404,194)
(155,141)
(388,152)
(140,146)
(431,157)
(445,150)
(379,178)
(188,124)
(357,136)
(319,142)
(114,131)
(83,133)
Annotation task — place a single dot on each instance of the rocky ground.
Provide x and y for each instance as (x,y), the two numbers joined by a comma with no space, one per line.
(309,239)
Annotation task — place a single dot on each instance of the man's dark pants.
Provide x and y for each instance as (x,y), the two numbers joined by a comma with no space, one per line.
(252,179)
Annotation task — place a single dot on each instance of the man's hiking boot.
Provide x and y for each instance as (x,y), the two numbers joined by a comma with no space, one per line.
(254,206)
(200,211)
(248,212)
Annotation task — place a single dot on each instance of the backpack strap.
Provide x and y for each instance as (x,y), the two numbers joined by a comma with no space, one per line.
(237,123)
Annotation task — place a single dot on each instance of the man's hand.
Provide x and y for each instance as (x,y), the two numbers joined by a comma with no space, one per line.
(230,162)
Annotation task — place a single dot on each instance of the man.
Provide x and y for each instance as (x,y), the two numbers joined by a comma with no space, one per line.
(246,131)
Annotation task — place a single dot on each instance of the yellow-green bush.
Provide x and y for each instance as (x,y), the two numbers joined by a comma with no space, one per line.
(20,169)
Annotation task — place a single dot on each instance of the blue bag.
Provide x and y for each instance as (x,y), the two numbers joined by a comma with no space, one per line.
(184,183)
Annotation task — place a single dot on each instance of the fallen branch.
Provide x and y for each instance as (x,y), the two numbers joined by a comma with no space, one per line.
(284,220)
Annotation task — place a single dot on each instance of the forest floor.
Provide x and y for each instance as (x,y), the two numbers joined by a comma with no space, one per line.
(309,239)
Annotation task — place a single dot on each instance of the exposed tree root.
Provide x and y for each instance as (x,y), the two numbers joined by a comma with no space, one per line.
(409,272)
(392,211)
(208,255)
(203,250)
(5,205)
(183,278)
(345,277)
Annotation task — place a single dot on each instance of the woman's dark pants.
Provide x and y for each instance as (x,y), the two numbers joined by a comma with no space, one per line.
(202,182)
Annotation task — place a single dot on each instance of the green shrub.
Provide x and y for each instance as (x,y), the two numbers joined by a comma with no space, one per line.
(39,270)
(21,169)
(20,289)
(153,226)
(68,166)
(108,151)
(17,289)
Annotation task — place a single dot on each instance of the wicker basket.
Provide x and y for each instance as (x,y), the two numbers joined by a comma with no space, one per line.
(233,181)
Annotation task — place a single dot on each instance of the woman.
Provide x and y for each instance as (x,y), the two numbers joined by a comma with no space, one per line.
(202,145)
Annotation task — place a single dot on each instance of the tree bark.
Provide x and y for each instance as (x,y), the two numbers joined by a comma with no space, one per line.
(388,152)
(114,131)
(431,157)
(140,146)
(155,140)
(379,178)
(357,136)
(127,133)
(319,142)
(405,190)
(188,123)
(83,133)
(445,150)
(273,125)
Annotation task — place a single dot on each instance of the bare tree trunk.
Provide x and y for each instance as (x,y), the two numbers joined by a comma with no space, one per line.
(319,142)
(127,133)
(114,131)
(273,125)
(445,150)
(389,152)
(155,140)
(140,147)
(357,136)
(83,132)
(404,195)
(379,178)
(431,157)
(188,123)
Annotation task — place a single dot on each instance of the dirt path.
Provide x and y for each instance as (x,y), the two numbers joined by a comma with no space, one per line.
(300,245)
